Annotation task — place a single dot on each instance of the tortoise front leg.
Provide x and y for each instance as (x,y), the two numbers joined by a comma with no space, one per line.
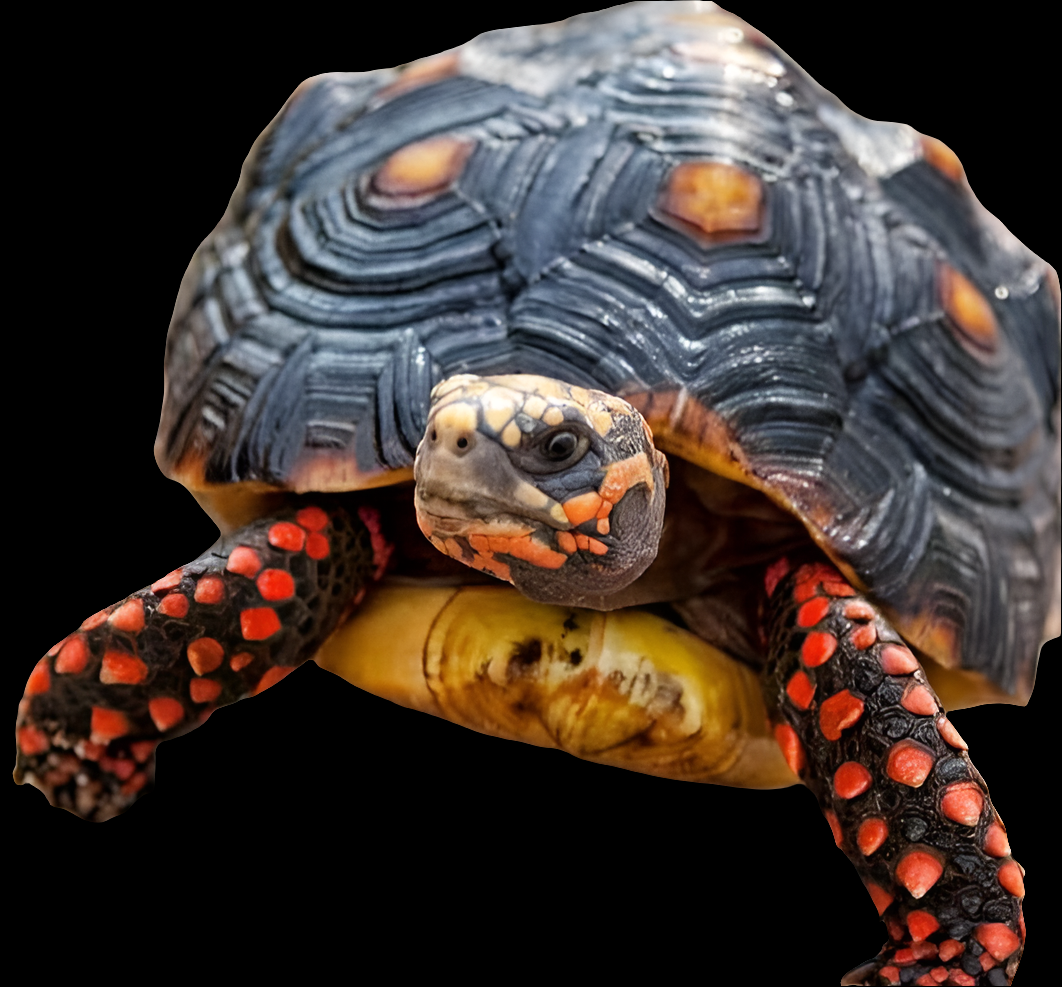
(228,625)
(858,721)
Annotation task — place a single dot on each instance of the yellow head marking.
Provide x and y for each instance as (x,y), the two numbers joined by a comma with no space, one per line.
(459,416)
(553,415)
(511,435)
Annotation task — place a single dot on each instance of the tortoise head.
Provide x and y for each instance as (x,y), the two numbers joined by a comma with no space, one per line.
(555,488)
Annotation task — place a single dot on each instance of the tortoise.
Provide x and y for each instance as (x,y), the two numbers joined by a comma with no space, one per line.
(740,439)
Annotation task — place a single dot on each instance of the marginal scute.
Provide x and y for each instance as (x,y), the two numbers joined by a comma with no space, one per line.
(716,199)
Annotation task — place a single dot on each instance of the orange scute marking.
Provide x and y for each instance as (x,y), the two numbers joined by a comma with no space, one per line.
(881,898)
(170,581)
(951,736)
(942,157)
(40,679)
(317,546)
(968,309)
(812,612)
(800,689)
(210,589)
(919,700)
(582,508)
(166,713)
(107,724)
(835,827)
(918,871)
(276,584)
(714,197)
(312,518)
(817,649)
(872,833)
(566,542)
(996,842)
(244,561)
(950,948)
(792,748)
(1010,877)
(898,660)
(204,690)
(128,617)
(998,939)
(851,779)
(426,166)
(963,802)
(909,763)
(863,636)
(205,654)
(119,668)
(96,620)
(271,678)
(32,740)
(922,925)
(240,661)
(859,610)
(174,605)
(839,712)
(258,623)
(288,536)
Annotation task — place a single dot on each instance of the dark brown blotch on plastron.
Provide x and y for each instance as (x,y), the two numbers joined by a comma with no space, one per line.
(421,170)
(713,201)
(525,654)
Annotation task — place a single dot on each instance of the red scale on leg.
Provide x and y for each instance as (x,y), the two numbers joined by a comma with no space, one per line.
(839,712)
(40,680)
(872,833)
(909,763)
(73,655)
(288,536)
(121,668)
(800,689)
(174,605)
(817,649)
(128,617)
(813,611)
(211,589)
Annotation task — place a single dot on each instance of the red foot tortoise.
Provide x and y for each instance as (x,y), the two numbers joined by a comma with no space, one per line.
(747,397)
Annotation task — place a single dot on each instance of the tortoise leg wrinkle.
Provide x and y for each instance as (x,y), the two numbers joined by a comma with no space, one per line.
(857,720)
(228,625)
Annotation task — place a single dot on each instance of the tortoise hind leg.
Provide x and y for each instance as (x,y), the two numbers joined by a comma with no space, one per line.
(228,625)
(859,722)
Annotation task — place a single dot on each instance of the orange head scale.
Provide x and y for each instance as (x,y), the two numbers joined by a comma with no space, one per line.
(555,488)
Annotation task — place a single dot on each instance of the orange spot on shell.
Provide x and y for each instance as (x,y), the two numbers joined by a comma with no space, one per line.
(258,623)
(851,779)
(922,925)
(864,636)
(276,584)
(817,649)
(40,679)
(881,898)
(714,197)
(812,612)
(951,736)
(32,740)
(792,748)
(582,508)
(996,842)
(1011,878)
(968,309)
(998,939)
(174,605)
(898,660)
(240,661)
(835,827)
(287,536)
(919,700)
(312,518)
(872,833)
(165,713)
(963,802)
(800,689)
(424,168)
(909,763)
(204,690)
(205,654)
(210,589)
(317,546)
(170,581)
(119,668)
(943,158)
(422,73)
(839,712)
(244,561)
(129,617)
(107,725)
(271,678)
(918,871)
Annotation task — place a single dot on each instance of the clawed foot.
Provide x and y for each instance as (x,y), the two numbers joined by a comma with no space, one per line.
(989,955)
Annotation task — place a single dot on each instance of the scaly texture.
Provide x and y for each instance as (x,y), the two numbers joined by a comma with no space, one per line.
(228,625)
(858,721)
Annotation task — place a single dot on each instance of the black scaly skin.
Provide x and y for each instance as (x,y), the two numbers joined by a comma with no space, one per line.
(968,895)
(97,780)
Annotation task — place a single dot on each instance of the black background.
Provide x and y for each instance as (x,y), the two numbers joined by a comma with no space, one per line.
(319,824)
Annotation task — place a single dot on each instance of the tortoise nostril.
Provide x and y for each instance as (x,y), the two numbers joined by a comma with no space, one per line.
(434,435)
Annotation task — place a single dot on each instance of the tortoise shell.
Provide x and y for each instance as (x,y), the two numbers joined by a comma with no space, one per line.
(657,202)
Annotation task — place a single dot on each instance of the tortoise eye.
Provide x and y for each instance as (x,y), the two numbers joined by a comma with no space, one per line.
(560,445)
